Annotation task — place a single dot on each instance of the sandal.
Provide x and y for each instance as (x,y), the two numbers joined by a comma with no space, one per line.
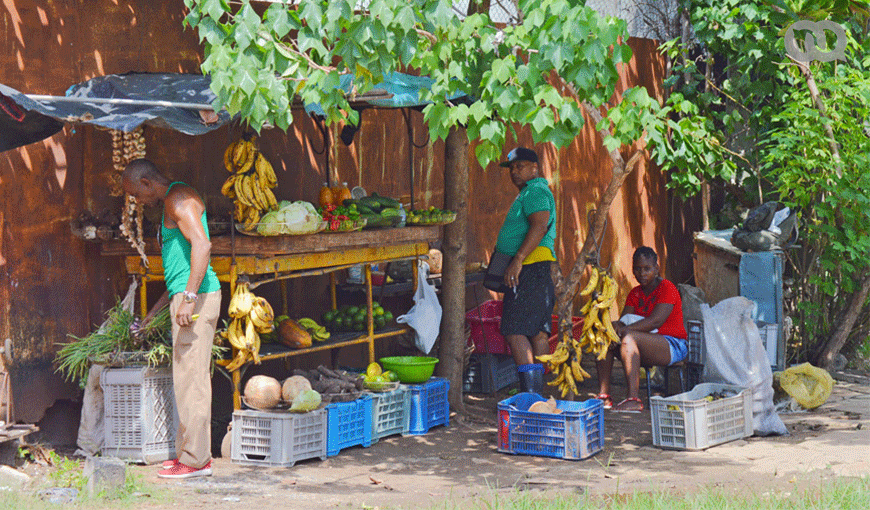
(606,400)
(620,407)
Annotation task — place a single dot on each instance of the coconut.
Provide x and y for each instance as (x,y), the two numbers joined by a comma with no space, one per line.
(263,392)
(293,386)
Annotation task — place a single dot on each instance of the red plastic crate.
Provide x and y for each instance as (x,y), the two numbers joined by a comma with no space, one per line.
(484,321)
(576,328)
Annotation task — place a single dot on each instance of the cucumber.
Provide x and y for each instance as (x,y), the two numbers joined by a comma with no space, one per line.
(388,212)
(386,201)
(364,209)
(371,202)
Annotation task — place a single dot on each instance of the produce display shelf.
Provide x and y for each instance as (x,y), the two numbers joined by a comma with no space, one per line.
(574,434)
(262,438)
(278,351)
(689,422)
(391,413)
(349,424)
(429,405)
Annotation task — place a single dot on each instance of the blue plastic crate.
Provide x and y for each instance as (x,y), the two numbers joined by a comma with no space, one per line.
(348,424)
(429,405)
(576,433)
(391,413)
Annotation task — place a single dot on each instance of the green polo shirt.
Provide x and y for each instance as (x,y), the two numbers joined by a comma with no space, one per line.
(534,197)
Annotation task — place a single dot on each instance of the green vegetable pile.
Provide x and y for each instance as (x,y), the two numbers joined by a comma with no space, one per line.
(355,318)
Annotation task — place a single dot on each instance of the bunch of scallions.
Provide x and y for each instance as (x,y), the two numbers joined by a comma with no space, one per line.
(121,340)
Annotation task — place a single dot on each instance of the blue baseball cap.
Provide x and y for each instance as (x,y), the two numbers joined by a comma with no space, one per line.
(520,154)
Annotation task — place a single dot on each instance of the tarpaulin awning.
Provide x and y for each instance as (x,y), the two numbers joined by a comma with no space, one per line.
(121,102)
(181,102)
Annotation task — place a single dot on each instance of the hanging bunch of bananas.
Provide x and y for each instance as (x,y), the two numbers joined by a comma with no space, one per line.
(251,182)
(596,335)
(250,316)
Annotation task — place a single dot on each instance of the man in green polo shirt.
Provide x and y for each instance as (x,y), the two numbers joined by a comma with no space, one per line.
(528,234)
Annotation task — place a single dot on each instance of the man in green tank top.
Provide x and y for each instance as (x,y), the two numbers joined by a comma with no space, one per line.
(192,289)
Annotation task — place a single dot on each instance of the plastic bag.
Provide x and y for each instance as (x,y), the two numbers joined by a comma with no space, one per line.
(735,355)
(425,316)
(810,386)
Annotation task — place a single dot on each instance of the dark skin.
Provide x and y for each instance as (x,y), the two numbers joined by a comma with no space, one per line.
(638,347)
(524,349)
(182,209)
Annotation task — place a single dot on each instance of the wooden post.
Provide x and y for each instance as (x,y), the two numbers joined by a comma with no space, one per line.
(455,251)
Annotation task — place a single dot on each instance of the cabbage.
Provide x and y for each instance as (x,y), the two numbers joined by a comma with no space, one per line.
(270,224)
(307,400)
(300,217)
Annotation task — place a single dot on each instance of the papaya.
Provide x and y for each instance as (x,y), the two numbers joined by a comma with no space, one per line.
(291,334)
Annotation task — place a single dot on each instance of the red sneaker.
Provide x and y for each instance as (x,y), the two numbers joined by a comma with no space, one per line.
(183,471)
(169,463)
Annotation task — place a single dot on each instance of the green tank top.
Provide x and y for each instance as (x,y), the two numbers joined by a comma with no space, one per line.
(175,251)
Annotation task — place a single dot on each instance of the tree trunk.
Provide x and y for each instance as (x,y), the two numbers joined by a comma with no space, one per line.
(820,106)
(844,324)
(455,252)
(566,288)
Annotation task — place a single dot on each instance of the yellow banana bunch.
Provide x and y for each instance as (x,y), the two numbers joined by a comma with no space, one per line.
(251,182)
(251,316)
(598,333)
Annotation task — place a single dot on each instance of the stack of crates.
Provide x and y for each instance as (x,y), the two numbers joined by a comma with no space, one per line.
(695,357)
(277,439)
(488,373)
(140,414)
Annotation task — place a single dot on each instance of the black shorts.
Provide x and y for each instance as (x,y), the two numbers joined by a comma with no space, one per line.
(530,310)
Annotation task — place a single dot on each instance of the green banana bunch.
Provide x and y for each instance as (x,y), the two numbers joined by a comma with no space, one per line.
(318,333)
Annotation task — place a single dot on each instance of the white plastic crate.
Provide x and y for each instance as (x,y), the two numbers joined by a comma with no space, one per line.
(391,413)
(278,439)
(140,415)
(689,422)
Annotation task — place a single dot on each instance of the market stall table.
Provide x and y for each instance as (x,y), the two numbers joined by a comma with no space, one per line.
(278,258)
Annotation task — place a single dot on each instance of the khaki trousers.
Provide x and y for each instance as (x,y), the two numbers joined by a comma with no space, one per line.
(191,378)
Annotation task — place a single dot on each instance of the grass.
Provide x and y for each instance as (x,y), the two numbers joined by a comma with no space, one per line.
(836,494)
(68,473)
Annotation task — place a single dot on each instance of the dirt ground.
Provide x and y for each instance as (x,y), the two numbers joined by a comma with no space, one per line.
(459,464)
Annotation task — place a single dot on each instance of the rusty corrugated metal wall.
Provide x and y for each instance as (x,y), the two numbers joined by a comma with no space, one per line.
(53,284)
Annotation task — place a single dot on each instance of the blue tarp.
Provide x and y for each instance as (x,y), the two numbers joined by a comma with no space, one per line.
(23,120)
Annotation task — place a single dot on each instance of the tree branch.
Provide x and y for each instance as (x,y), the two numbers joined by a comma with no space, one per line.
(820,106)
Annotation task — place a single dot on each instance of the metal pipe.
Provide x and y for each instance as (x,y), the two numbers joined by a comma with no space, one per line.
(121,101)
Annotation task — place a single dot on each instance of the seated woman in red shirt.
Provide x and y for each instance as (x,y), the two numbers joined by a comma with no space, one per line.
(657,337)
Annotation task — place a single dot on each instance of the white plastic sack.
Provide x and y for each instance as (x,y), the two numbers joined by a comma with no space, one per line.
(91,433)
(735,355)
(425,316)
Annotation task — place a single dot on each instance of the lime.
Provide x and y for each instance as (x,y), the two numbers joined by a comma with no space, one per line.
(359,327)
(361,317)
(373,370)
(377,310)
(352,310)
(328,316)
(391,376)
(388,316)
(379,322)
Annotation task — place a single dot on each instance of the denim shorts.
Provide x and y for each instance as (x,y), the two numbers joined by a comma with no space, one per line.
(679,348)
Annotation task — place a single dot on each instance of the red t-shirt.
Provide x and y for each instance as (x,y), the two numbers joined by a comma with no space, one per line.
(666,292)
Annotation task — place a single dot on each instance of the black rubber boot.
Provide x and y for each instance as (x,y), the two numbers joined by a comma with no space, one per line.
(532,381)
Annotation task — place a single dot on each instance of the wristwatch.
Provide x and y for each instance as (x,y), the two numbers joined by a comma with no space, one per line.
(189,297)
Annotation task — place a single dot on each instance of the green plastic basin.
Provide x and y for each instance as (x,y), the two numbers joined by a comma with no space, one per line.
(410,369)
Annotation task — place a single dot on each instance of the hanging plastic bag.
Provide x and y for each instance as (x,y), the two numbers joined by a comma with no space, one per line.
(425,316)
(810,386)
(735,355)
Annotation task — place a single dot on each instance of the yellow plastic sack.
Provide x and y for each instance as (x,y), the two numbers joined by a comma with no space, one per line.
(810,386)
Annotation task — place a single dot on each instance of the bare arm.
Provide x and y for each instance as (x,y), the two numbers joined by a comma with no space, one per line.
(538,223)
(186,213)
